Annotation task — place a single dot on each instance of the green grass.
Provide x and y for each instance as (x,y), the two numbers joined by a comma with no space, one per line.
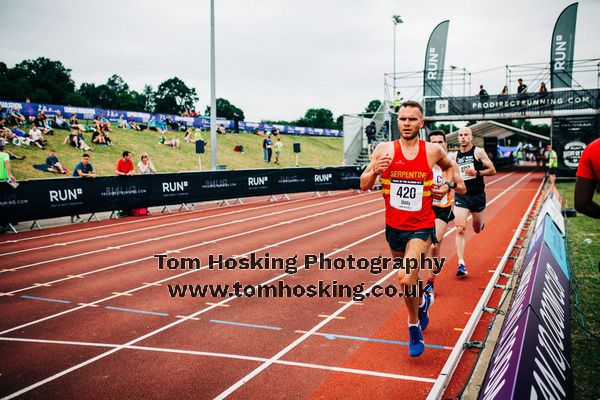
(584,261)
(316,151)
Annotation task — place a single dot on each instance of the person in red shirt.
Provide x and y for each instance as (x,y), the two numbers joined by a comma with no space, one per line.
(408,190)
(124,166)
(588,176)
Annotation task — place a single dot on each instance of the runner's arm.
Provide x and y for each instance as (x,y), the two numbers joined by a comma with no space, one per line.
(482,156)
(450,168)
(584,197)
(379,163)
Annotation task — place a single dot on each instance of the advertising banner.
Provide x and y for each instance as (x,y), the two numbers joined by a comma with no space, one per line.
(570,136)
(435,56)
(563,48)
(47,198)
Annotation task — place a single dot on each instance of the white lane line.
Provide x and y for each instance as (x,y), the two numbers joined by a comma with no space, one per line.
(314,329)
(267,227)
(227,356)
(172,324)
(204,228)
(127,232)
(140,221)
(206,266)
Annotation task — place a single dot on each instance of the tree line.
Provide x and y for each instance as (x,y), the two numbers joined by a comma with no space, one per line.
(48,81)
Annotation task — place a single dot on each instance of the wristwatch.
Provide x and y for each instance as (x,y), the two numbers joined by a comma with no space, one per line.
(451,185)
(478,174)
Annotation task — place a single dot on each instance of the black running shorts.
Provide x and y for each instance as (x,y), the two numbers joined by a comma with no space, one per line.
(398,239)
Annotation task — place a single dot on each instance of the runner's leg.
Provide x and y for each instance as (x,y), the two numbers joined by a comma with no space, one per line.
(461,215)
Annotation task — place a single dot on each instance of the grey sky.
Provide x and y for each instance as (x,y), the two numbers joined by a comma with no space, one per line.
(277,58)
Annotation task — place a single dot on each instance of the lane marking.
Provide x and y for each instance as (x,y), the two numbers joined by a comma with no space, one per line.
(333,336)
(217,304)
(295,343)
(180,233)
(229,356)
(272,328)
(88,305)
(137,311)
(293,238)
(459,329)
(46,299)
(122,294)
(187,317)
(331,316)
(178,321)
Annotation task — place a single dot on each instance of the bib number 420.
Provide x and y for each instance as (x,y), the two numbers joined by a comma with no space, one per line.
(405,192)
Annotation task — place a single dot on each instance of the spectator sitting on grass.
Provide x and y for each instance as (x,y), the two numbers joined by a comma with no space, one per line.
(121,123)
(60,122)
(124,166)
(41,121)
(98,136)
(152,125)
(132,125)
(220,129)
(145,166)
(36,136)
(74,123)
(167,142)
(16,117)
(53,164)
(105,123)
(162,124)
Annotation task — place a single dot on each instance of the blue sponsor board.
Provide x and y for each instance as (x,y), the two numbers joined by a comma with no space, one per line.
(550,234)
(533,352)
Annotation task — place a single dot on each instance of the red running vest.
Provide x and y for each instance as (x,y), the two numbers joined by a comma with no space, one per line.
(406,187)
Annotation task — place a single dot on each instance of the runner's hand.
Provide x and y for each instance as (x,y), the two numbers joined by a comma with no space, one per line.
(470,172)
(382,164)
(439,191)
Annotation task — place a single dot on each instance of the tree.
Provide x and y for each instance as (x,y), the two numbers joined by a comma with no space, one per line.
(47,75)
(372,108)
(173,97)
(317,118)
(76,99)
(226,110)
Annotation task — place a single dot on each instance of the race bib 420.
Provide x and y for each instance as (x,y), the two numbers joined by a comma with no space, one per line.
(406,195)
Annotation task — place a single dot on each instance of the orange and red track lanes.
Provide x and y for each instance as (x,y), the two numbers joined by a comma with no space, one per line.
(133,341)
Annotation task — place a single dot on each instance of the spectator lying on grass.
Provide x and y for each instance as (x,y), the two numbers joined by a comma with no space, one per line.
(172,143)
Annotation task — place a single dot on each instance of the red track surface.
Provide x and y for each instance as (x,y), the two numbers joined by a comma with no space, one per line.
(79,348)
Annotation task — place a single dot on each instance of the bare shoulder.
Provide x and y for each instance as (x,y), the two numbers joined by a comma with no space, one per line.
(434,149)
(382,149)
(480,153)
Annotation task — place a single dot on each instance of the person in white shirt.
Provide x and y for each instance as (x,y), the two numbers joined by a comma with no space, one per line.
(145,166)
(36,136)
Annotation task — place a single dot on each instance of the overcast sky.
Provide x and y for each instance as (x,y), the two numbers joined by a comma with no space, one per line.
(277,58)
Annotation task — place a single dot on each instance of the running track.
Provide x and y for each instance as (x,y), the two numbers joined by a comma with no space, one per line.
(85,313)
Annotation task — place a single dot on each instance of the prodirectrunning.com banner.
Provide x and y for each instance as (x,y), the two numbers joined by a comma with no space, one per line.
(513,103)
(47,198)
(32,109)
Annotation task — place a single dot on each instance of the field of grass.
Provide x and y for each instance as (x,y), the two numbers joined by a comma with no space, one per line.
(316,151)
(585,265)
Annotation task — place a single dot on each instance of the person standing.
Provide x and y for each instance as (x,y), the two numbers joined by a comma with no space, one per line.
(83,169)
(278,145)
(407,186)
(371,132)
(552,164)
(474,164)
(269,146)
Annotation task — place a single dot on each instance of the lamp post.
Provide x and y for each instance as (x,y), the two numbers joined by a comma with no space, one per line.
(396,19)
(213,101)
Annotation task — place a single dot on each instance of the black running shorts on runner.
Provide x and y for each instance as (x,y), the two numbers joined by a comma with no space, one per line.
(552,171)
(398,239)
(444,214)
(473,202)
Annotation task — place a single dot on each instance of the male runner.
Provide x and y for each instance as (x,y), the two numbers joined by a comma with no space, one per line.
(407,187)
(443,207)
(474,164)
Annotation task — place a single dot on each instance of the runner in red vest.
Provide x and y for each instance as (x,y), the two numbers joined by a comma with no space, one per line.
(408,191)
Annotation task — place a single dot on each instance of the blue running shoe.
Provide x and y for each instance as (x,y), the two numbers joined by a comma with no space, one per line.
(429,288)
(424,311)
(416,344)
(461,272)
